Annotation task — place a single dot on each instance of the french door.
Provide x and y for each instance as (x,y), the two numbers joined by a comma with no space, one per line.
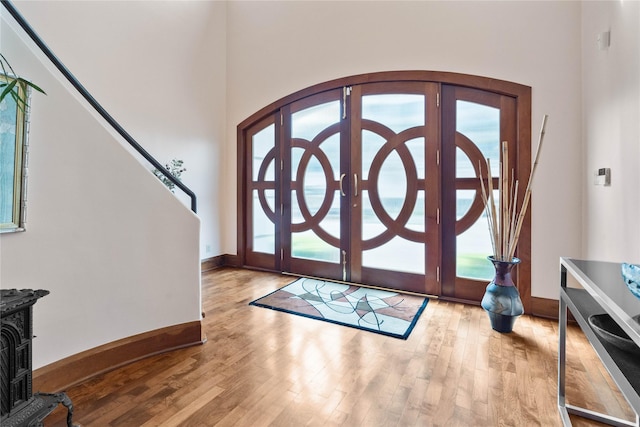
(394,196)
(376,183)
(314,229)
(348,174)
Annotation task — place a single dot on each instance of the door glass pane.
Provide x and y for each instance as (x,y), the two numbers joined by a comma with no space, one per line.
(331,149)
(307,243)
(416,148)
(315,158)
(392,185)
(464,198)
(464,168)
(308,123)
(296,155)
(371,225)
(473,246)
(398,255)
(371,144)
(481,124)
(262,143)
(264,231)
(396,111)
(263,151)
(315,186)
(417,220)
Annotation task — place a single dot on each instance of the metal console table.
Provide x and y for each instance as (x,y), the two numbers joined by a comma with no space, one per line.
(604,292)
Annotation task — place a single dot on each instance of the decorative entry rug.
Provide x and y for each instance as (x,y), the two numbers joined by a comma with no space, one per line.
(385,312)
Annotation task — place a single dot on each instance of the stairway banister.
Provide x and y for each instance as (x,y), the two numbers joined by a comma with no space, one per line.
(95,104)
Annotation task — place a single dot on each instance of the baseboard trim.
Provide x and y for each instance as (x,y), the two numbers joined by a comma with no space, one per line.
(545,307)
(232,260)
(73,370)
(225,260)
(212,263)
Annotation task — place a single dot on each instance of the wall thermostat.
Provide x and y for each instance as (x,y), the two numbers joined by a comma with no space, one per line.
(602,176)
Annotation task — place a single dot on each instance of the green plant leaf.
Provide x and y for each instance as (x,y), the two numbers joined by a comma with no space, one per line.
(32,85)
(8,89)
(21,103)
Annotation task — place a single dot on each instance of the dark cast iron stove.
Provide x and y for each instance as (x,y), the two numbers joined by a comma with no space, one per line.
(19,406)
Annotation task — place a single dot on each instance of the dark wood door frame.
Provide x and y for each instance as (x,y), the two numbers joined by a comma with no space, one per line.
(520,94)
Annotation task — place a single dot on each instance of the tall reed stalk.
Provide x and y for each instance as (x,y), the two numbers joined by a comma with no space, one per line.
(505,223)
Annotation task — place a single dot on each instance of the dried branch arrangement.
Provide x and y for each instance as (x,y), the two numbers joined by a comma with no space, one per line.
(505,222)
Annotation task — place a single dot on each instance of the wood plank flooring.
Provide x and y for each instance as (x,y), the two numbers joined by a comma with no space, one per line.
(266,368)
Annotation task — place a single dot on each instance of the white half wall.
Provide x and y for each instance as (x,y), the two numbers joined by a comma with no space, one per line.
(117,251)
(278,47)
(611,130)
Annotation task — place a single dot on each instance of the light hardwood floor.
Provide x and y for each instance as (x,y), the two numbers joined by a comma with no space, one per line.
(262,367)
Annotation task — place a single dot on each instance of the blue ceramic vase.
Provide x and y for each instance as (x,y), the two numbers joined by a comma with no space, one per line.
(502,300)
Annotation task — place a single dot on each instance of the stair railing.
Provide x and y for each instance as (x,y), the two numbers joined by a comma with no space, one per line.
(92,101)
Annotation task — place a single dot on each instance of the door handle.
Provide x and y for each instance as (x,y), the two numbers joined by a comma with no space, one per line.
(341,188)
(344,266)
(355,184)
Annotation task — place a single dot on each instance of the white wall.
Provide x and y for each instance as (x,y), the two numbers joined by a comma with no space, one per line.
(276,48)
(611,130)
(117,251)
(159,68)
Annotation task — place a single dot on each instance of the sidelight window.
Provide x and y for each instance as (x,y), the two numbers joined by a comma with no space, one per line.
(480,124)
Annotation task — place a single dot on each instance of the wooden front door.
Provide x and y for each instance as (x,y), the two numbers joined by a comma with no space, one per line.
(377,183)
